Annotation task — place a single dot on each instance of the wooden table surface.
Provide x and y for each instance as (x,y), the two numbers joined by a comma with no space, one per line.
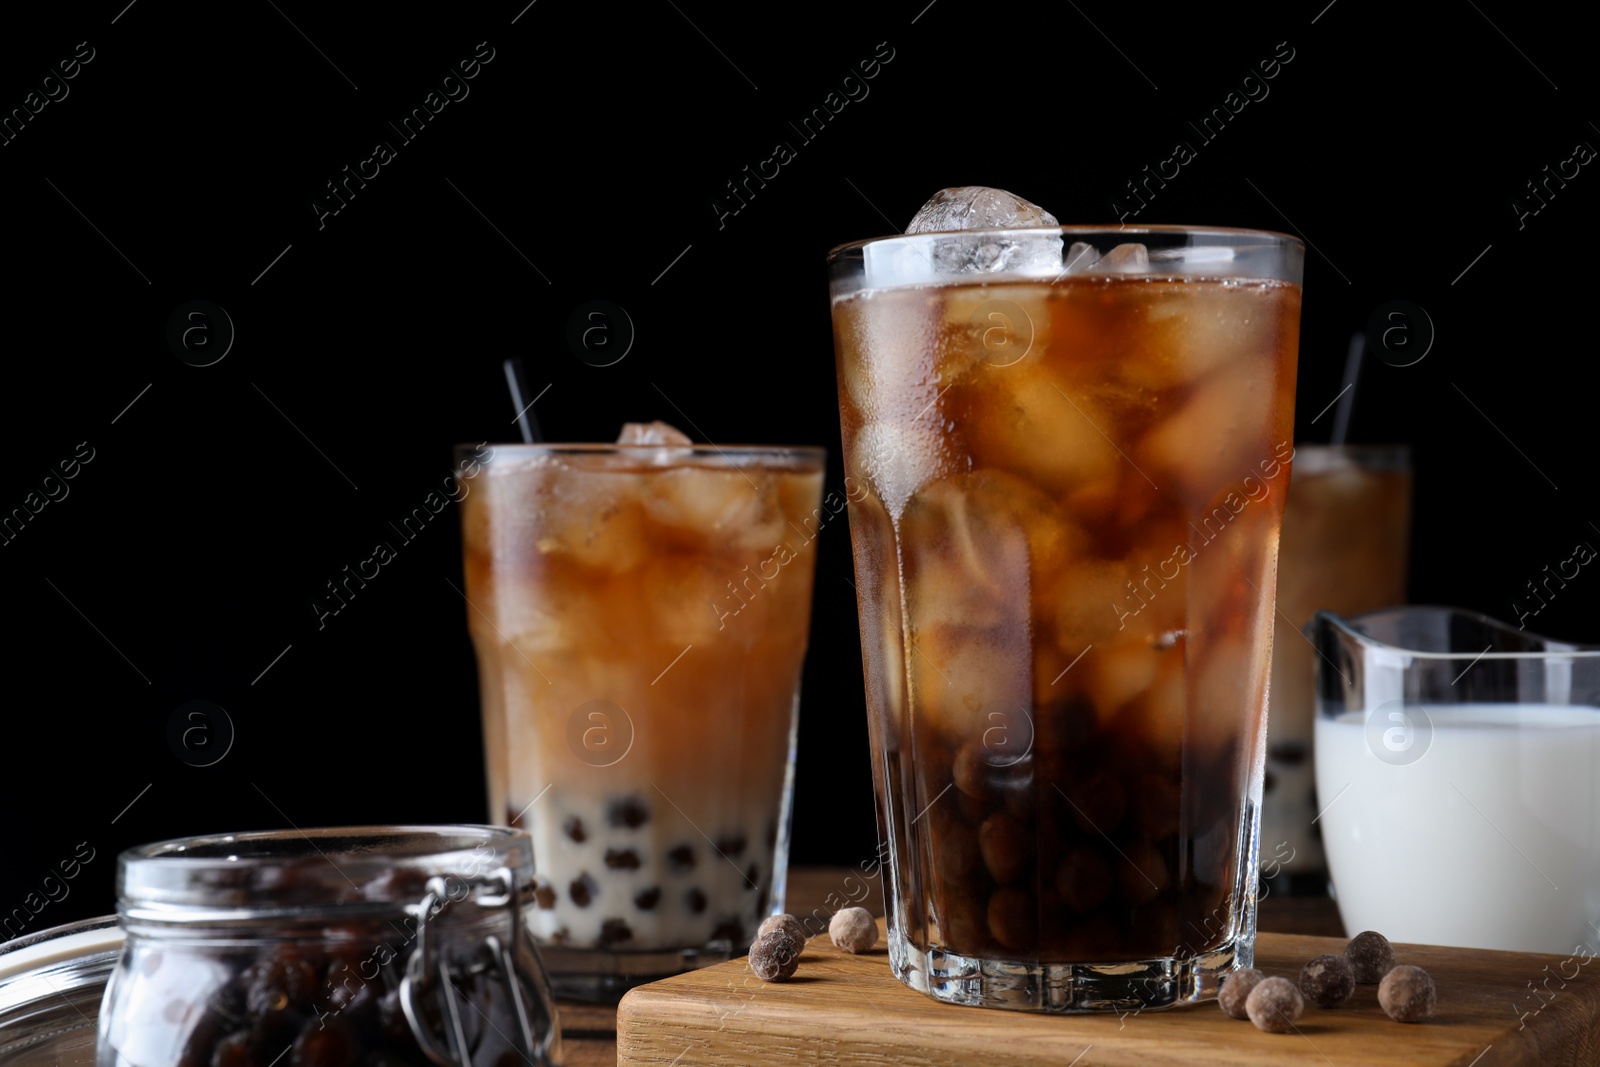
(589,1031)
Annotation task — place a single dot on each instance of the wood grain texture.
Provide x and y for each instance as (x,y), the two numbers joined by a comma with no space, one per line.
(850,1009)
(589,1031)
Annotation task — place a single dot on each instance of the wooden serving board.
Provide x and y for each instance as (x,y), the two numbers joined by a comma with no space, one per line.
(842,1009)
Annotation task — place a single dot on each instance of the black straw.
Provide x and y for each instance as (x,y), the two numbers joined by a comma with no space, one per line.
(1347,399)
(526,420)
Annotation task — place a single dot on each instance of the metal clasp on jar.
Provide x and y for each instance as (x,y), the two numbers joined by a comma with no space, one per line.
(427,975)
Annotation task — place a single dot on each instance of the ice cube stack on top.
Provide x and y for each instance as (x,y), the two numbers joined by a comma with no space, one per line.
(1075,470)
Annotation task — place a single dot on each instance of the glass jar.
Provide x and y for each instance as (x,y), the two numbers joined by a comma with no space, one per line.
(51,985)
(373,946)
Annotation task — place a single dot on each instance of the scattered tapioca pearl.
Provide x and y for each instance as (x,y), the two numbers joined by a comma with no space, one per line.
(728,930)
(622,859)
(582,890)
(752,877)
(696,901)
(1327,980)
(630,812)
(787,923)
(647,898)
(545,895)
(1407,994)
(1274,1005)
(1236,989)
(681,858)
(614,932)
(731,844)
(1370,955)
(574,829)
(854,929)
(775,956)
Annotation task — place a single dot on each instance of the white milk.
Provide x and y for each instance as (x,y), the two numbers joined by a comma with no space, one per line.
(1490,839)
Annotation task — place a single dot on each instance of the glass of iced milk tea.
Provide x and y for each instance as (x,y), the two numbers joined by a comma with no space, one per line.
(1074,444)
(640,614)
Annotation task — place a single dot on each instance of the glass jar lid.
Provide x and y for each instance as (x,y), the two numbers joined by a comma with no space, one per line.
(366,869)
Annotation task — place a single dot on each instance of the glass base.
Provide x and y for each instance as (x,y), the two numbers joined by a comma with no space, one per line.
(602,977)
(1019,985)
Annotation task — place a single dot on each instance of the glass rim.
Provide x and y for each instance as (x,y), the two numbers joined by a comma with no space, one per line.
(816,452)
(1360,448)
(1273,237)
(1316,457)
(1572,650)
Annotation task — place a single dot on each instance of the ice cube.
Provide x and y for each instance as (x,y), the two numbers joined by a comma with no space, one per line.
(1215,439)
(1124,259)
(969,682)
(966,557)
(1028,406)
(1080,257)
(975,208)
(899,458)
(721,505)
(652,433)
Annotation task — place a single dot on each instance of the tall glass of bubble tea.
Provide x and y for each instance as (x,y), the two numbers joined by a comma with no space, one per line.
(1072,446)
(640,613)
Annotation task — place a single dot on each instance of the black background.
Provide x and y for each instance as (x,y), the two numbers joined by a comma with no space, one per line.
(183,164)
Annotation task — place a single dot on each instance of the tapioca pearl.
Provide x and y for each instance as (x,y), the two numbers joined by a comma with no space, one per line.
(1156,802)
(622,859)
(1013,919)
(696,900)
(729,930)
(573,828)
(681,858)
(752,878)
(582,890)
(1142,874)
(963,921)
(972,809)
(731,845)
(647,899)
(956,850)
(629,812)
(614,932)
(1004,845)
(971,773)
(545,894)
(1022,803)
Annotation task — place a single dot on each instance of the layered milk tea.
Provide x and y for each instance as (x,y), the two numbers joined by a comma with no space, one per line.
(640,617)
(1066,562)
